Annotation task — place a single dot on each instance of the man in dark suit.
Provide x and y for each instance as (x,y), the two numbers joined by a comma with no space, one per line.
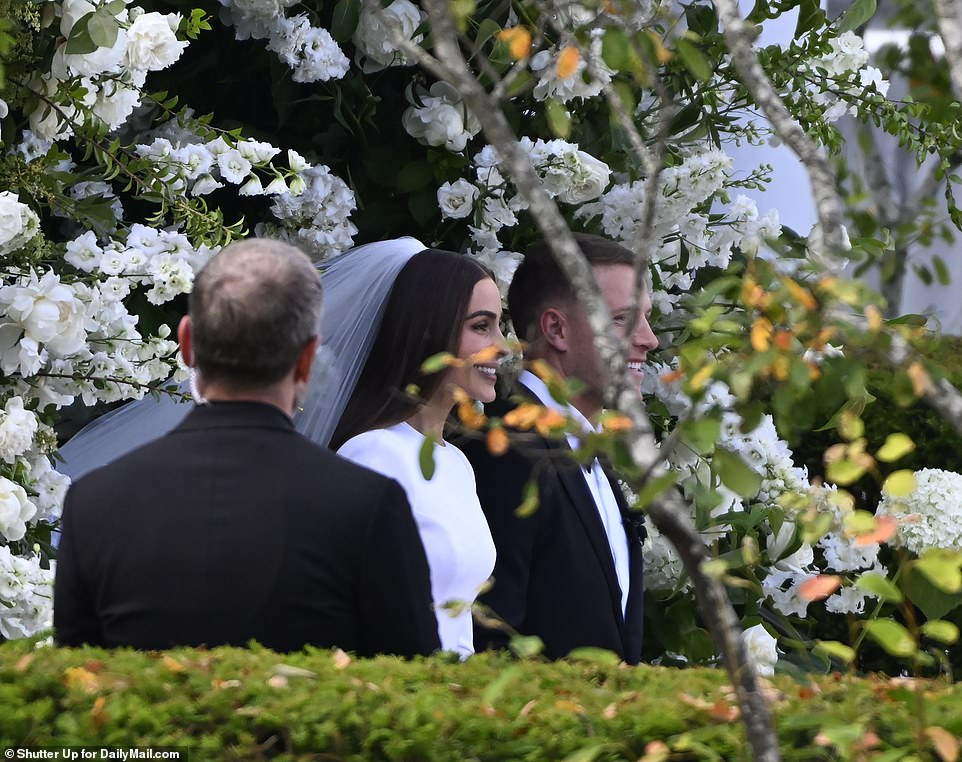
(234,527)
(571,572)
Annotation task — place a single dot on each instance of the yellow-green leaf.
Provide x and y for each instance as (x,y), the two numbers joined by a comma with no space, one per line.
(941,568)
(899,483)
(892,636)
(835,650)
(896,446)
(437,363)
(844,471)
(426,458)
(880,586)
(941,631)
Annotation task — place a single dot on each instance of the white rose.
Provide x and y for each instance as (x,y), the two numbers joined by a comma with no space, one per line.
(456,199)
(15,510)
(49,313)
(588,181)
(761,649)
(17,427)
(152,44)
(374,38)
(11,217)
(441,119)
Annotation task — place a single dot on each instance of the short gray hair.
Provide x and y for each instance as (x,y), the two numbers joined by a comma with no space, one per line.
(253,308)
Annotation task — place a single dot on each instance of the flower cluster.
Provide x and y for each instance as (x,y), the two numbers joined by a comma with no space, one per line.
(26,589)
(376,30)
(309,51)
(111,76)
(440,118)
(568,174)
(18,223)
(931,516)
(568,83)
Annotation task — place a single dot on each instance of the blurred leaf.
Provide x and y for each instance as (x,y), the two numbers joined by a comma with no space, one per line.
(880,586)
(614,48)
(942,569)
(892,636)
(941,631)
(654,487)
(896,446)
(595,655)
(693,59)
(835,650)
(530,502)
(819,587)
(413,176)
(346,15)
(941,270)
(426,458)
(933,602)
(437,363)
(559,120)
(810,16)
(899,483)
(945,743)
(702,434)
(587,754)
(858,13)
(735,474)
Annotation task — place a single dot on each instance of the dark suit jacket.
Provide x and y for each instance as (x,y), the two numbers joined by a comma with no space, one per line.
(554,576)
(235,527)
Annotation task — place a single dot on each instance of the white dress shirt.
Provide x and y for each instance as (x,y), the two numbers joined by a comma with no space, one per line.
(597,482)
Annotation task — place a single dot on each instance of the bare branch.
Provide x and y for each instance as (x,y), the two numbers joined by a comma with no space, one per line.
(949,14)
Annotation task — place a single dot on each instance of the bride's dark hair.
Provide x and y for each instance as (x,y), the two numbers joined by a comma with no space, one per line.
(422,317)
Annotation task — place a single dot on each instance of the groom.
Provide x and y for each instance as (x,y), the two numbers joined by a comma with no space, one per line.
(234,527)
(570,573)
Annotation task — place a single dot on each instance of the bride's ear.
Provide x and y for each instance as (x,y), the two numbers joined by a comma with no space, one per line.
(302,370)
(184,339)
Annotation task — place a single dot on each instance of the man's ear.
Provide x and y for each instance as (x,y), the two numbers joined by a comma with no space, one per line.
(302,370)
(554,329)
(184,337)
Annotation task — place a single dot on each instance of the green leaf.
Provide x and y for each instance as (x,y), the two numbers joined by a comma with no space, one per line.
(735,474)
(810,16)
(880,586)
(530,502)
(653,488)
(595,655)
(104,28)
(941,631)
(437,363)
(857,14)
(80,42)
(899,483)
(413,176)
(526,646)
(614,48)
(933,602)
(702,435)
(587,754)
(426,458)
(942,569)
(559,120)
(693,59)
(487,29)
(892,636)
(896,446)
(941,271)
(835,650)
(347,13)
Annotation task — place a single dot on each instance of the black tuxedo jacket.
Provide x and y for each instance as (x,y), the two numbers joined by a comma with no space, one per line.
(554,576)
(235,527)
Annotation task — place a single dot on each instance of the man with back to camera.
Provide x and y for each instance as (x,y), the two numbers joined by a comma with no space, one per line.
(234,527)
(571,573)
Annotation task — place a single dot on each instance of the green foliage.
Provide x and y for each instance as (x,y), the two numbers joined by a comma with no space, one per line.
(255,705)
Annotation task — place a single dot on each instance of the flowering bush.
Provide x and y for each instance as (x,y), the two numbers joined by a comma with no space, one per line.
(930,516)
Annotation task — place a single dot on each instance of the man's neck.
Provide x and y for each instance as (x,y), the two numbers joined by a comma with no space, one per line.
(278,396)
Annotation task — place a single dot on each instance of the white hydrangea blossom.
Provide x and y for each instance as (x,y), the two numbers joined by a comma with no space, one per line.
(309,51)
(26,589)
(579,84)
(931,516)
(441,119)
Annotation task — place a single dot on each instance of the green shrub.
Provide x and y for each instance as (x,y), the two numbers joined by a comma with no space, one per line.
(227,704)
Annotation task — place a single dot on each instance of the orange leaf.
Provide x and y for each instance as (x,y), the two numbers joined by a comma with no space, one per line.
(497,441)
(656,751)
(819,587)
(487,354)
(97,714)
(670,378)
(543,371)
(725,712)
(568,62)
(761,334)
(616,422)
(523,416)
(78,677)
(23,663)
(172,664)
(874,318)
(945,743)
(884,530)
(549,422)
(781,367)
(470,416)
(801,295)
(782,340)
(518,40)
(921,383)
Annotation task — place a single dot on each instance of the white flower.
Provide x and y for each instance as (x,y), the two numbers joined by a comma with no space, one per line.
(15,510)
(234,168)
(48,312)
(762,650)
(930,517)
(17,427)
(11,217)
(374,37)
(441,119)
(456,200)
(152,42)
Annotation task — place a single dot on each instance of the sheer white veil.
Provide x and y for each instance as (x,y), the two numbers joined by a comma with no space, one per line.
(356,286)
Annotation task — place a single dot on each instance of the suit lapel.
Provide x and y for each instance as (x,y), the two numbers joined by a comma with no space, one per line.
(572,480)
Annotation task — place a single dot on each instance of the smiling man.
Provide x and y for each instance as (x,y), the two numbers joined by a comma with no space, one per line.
(571,573)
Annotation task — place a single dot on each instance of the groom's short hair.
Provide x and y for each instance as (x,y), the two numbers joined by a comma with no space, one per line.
(253,307)
(540,283)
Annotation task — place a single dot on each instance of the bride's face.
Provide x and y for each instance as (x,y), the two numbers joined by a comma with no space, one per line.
(481,345)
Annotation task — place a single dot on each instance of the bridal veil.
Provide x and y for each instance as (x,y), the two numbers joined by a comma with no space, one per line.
(356,286)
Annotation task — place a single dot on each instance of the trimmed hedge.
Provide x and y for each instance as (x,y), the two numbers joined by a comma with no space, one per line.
(238,704)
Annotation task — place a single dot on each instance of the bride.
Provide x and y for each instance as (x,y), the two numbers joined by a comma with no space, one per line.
(388,306)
